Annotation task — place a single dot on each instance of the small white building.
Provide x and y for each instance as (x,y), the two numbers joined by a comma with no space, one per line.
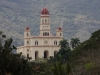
(45,44)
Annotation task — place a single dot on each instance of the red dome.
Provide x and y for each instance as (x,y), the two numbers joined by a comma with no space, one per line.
(59,28)
(45,11)
(27,28)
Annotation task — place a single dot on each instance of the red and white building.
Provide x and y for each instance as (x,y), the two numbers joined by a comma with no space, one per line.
(45,44)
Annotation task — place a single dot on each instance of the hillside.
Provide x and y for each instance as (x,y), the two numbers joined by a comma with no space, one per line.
(79,18)
(85,58)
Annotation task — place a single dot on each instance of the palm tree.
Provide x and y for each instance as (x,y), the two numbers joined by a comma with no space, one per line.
(64,44)
(75,42)
(64,51)
(61,69)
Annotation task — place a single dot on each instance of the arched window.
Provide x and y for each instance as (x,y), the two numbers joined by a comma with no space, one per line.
(27,51)
(48,33)
(45,20)
(27,42)
(46,54)
(55,42)
(27,34)
(36,54)
(45,34)
(36,42)
(60,34)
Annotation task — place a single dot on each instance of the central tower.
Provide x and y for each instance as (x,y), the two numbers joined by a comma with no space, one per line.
(45,22)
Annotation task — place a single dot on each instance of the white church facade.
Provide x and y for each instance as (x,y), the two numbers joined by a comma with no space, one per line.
(45,44)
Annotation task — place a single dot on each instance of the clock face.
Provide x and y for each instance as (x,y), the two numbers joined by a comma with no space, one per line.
(45,41)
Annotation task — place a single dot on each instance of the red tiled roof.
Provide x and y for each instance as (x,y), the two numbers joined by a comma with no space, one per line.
(45,11)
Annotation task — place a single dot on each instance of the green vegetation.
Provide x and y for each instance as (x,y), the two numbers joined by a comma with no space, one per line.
(82,60)
(61,69)
(10,63)
(75,42)
(85,57)
(89,66)
(64,51)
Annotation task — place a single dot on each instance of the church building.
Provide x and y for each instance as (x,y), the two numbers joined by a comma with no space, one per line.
(45,44)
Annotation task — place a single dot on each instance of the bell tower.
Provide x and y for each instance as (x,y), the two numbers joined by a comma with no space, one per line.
(27,36)
(45,22)
(59,32)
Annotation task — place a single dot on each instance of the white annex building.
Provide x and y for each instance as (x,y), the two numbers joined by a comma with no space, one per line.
(45,44)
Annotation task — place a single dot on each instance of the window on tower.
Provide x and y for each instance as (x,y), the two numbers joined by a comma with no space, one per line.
(27,34)
(46,34)
(27,42)
(45,20)
(60,34)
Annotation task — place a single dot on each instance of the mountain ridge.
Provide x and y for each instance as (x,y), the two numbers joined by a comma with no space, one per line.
(79,18)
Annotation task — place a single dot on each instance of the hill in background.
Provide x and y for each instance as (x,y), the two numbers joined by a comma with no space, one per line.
(79,18)
(85,58)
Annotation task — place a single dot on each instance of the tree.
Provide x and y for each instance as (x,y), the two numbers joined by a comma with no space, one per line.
(64,44)
(96,37)
(87,53)
(64,51)
(10,63)
(75,42)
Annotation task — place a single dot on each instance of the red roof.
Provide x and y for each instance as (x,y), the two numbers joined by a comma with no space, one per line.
(45,11)
(27,28)
(59,28)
